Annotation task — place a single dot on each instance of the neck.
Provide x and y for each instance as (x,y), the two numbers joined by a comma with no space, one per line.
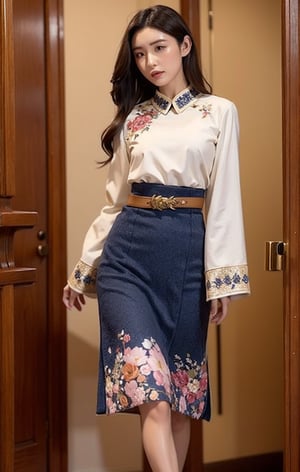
(171,91)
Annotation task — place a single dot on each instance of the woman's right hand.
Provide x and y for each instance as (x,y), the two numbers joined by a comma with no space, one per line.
(71,298)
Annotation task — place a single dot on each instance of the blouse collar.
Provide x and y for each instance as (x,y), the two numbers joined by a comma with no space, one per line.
(180,102)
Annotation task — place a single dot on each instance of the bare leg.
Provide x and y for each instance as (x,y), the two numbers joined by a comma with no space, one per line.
(157,436)
(181,428)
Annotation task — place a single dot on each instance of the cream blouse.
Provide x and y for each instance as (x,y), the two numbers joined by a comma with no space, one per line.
(189,141)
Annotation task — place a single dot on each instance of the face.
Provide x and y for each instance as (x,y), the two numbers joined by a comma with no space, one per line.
(158,57)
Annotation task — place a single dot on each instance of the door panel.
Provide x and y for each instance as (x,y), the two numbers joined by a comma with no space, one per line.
(33,433)
(31,409)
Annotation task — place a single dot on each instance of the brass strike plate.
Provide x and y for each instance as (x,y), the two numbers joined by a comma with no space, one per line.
(275,252)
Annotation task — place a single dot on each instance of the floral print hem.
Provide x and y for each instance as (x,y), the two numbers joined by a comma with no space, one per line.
(140,374)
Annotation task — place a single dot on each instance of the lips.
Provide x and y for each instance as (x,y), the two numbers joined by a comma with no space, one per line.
(156,74)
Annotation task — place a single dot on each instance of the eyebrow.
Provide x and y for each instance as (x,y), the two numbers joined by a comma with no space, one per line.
(150,44)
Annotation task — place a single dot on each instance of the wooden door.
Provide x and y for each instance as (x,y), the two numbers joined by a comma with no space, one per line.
(30,313)
(32,321)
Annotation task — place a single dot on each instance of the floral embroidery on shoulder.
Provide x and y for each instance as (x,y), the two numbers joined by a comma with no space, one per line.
(142,121)
(205,109)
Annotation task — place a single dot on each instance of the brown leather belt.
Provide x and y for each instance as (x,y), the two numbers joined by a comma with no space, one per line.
(157,202)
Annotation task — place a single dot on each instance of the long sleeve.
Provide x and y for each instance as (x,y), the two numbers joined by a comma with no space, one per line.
(225,255)
(83,277)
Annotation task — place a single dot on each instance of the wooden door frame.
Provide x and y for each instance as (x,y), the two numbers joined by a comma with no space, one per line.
(57,272)
(291,229)
(291,219)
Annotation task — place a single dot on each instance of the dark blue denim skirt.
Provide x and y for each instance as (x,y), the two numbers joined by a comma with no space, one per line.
(153,312)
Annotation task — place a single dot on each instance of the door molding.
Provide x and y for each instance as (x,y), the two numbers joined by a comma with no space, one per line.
(57,351)
(291,229)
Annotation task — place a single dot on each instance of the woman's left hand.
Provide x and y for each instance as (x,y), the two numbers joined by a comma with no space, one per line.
(219,310)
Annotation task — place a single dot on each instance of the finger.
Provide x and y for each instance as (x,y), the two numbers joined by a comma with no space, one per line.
(221,316)
(223,310)
(219,310)
(77,304)
(73,299)
(70,298)
(66,296)
(213,307)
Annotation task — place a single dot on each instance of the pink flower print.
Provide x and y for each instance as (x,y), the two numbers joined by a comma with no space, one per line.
(159,367)
(136,394)
(180,378)
(190,397)
(206,109)
(140,122)
(130,388)
(111,407)
(159,377)
(126,338)
(135,356)
(145,369)
(139,396)
(182,405)
(156,360)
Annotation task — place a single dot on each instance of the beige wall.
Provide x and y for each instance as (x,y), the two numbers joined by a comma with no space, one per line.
(93,30)
(242,56)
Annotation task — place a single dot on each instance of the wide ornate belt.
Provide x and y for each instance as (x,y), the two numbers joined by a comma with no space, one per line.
(158,202)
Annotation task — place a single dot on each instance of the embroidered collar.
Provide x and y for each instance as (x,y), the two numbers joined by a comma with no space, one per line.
(180,102)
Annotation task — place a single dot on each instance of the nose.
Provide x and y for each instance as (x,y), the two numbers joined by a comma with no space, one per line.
(151,60)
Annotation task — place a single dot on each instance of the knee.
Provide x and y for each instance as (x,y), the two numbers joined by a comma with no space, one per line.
(157,411)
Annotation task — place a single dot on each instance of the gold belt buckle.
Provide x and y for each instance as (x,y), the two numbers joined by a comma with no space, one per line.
(158,202)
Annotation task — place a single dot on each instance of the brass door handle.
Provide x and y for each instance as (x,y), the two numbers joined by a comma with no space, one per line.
(42,250)
(275,252)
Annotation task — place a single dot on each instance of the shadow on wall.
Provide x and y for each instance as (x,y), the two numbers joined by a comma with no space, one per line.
(102,443)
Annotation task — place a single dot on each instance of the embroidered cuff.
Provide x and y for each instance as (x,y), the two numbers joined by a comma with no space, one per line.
(83,278)
(227,281)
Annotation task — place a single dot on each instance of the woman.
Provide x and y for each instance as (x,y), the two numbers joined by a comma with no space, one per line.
(159,274)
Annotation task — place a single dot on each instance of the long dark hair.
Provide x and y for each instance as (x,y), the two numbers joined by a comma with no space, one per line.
(129,85)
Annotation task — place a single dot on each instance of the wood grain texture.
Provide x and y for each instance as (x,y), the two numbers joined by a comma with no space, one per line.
(7,118)
(291,219)
(57,240)
(6,379)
